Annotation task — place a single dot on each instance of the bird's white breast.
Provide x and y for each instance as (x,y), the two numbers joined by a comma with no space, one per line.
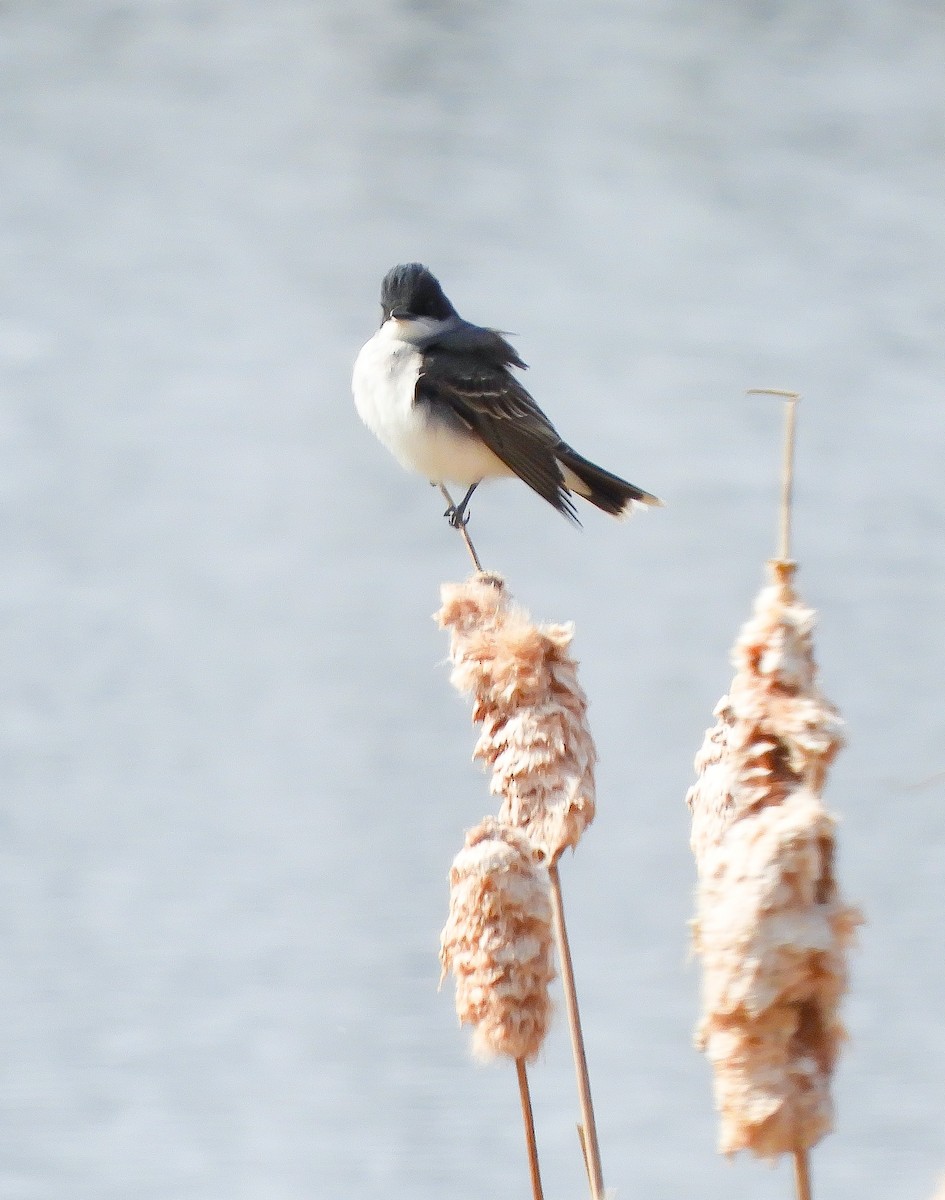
(384,385)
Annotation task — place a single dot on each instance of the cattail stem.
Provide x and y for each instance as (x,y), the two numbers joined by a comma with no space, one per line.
(464,532)
(787,466)
(528,1118)
(582,1140)
(802,1175)
(588,1131)
(787,477)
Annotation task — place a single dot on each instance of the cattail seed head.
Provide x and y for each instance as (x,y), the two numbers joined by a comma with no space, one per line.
(533,711)
(498,941)
(775,728)
(771,929)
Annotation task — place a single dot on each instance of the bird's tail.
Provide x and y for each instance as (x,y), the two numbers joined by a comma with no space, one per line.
(608,492)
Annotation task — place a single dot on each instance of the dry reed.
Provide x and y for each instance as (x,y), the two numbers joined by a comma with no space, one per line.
(536,739)
(771,928)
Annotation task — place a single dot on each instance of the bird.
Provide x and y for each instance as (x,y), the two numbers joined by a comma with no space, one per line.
(439,392)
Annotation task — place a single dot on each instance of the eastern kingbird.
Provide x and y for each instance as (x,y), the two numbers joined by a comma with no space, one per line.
(440,394)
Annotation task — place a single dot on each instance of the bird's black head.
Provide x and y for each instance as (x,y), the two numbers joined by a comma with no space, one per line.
(410,290)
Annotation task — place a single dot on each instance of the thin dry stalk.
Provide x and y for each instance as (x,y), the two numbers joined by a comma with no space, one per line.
(787,465)
(528,1119)
(587,1131)
(802,1175)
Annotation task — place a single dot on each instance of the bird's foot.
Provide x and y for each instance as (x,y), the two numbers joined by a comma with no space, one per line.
(457,516)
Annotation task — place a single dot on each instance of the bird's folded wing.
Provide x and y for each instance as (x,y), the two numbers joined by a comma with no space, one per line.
(491,403)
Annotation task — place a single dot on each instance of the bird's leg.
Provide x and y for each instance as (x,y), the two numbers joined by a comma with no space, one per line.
(456,513)
(453,509)
(461,525)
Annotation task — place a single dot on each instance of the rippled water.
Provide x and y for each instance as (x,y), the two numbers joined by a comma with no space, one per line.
(234,773)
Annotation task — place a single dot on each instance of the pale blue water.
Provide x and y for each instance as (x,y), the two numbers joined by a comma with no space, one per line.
(234,773)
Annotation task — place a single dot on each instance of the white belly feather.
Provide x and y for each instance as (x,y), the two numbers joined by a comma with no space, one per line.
(384,384)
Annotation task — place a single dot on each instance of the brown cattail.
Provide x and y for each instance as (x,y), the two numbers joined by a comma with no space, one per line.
(771,928)
(498,941)
(533,711)
(775,728)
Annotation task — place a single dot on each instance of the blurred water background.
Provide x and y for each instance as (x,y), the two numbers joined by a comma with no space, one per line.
(233,771)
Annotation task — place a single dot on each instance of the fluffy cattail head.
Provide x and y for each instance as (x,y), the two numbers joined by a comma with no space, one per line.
(498,941)
(775,729)
(773,934)
(533,711)
(771,928)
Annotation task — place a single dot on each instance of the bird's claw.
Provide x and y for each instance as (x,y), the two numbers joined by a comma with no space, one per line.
(457,517)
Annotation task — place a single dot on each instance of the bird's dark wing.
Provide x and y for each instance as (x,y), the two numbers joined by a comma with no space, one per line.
(488,345)
(485,398)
